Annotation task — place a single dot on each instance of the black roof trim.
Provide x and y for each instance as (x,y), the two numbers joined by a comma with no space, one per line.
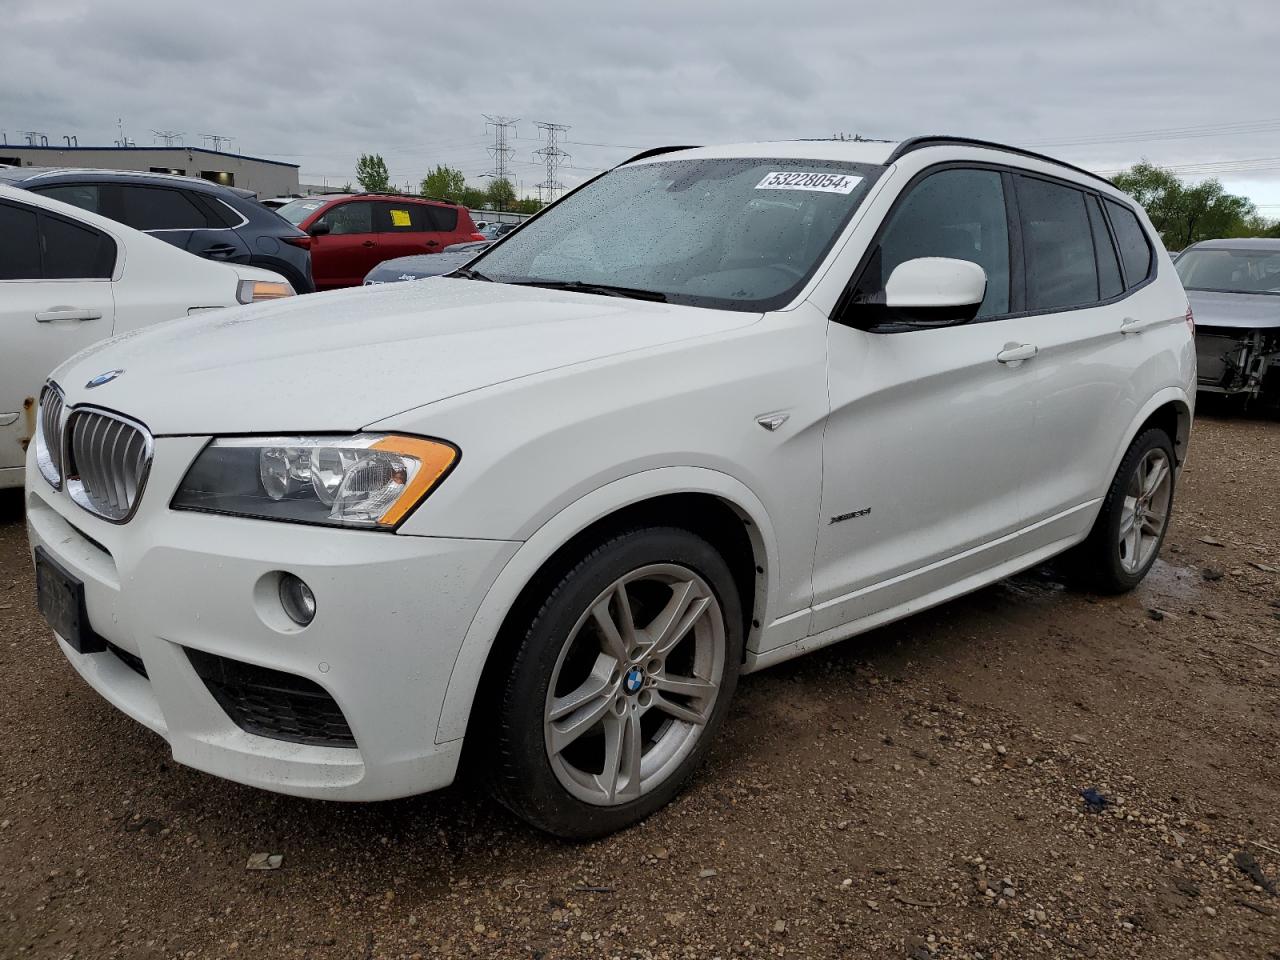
(920,143)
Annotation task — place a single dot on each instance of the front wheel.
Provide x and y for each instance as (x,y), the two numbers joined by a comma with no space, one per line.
(1131,525)
(619,684)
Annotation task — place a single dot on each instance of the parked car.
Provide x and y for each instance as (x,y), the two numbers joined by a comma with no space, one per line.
(353,233)
(1234,286)
(212,221)
(69,279)
(275,203)
(494,231)
(426,264)
(712,410)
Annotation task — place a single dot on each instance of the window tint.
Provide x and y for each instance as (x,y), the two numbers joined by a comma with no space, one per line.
(73,251)
(158,208)
(440,218)
(1109,282)
(1135,250)
(349,218)
(86,196)
(401,218)
(19,244)
(1058,246)
(953,213)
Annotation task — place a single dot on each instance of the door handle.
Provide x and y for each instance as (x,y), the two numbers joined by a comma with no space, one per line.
(67,313)
(368,243)
(1129,325)
(220,251)
(433,243)
(1017,352)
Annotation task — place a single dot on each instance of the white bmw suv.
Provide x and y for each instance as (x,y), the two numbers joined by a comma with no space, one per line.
(714,409)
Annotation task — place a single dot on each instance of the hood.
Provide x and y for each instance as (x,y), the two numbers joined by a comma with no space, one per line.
(418,265)
(342,360)
(1245,310)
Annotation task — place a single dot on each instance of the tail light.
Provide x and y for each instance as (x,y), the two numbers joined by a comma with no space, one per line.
(478,236)
(1191,320)
(302,240)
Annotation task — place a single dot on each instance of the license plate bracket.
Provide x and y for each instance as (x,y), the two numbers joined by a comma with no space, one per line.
(60,597)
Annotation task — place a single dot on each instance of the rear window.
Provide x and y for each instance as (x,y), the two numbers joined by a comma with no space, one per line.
(86,196)
(159,208)
(440,218)
(1135,249)
(295,211)
(19,244)
(1057,243)
(73,251)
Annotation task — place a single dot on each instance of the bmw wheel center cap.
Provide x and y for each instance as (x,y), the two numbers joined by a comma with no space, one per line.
(634,680)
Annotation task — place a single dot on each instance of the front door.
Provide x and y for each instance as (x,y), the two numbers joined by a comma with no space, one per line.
(342,257)
(924,452)
(55,299)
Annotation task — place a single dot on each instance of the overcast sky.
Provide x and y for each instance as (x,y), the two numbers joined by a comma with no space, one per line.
(1099,82)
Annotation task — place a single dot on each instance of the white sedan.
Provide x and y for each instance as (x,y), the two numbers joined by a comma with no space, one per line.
(69,278)
(714,409)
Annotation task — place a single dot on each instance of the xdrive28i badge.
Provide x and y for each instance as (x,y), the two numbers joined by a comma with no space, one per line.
(102,378)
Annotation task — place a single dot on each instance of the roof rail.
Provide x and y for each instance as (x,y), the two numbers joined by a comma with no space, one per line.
(919,143)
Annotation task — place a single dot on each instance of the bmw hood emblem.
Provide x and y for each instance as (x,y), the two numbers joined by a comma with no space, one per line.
(102,378)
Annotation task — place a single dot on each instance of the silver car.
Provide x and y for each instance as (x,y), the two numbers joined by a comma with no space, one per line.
(1234,288)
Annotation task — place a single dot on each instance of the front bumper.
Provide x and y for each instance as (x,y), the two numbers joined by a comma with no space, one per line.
(391,614)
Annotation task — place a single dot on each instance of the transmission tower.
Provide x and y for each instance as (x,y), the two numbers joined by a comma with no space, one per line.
(216,140)
(552,156)
(169,137)
(501,149)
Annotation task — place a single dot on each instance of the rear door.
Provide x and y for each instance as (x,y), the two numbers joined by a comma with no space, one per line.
(1088,369)
(350,249)
(405,230)
(55,299)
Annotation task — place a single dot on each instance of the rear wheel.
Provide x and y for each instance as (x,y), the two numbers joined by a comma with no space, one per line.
(1131,525)
(619,684)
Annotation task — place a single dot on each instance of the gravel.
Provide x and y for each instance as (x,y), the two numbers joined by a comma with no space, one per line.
(854,807)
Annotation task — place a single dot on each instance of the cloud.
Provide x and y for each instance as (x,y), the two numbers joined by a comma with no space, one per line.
(317,83)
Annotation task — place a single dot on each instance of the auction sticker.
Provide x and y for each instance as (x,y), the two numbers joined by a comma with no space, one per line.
(798,180)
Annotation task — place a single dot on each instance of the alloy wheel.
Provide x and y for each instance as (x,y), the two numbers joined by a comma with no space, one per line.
(1145,511)
(635,684)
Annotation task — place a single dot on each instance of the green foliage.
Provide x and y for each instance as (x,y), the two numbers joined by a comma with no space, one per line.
(446,183)
(371,172)
(528,205)
(473,198)
(502,194)
(1184,214)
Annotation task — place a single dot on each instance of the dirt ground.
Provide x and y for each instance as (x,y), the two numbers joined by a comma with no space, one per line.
(912,793)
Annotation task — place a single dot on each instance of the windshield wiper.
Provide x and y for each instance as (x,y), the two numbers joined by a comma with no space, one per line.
(466,273)
(605,289)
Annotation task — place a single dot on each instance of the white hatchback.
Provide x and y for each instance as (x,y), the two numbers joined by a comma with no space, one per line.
(69,278)
(714,409)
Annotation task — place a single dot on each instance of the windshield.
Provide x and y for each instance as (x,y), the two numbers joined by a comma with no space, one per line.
(738,234)
(1230,271)
(295,211)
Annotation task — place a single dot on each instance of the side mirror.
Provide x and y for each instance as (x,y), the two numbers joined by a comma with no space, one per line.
(319,229)
(934,291)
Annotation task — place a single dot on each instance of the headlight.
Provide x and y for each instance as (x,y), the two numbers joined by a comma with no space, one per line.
(253,291)
(369,480)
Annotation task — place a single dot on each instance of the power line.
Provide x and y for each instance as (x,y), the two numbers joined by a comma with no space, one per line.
(1166,133)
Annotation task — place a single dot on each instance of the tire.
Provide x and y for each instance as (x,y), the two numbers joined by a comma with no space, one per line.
(563,757)
(1105,562)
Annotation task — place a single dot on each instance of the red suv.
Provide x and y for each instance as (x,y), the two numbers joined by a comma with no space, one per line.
(353,233)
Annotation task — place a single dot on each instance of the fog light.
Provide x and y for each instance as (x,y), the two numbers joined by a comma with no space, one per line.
(297,599)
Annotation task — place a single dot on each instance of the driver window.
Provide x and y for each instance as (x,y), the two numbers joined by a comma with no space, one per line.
(350,218)
(952,213)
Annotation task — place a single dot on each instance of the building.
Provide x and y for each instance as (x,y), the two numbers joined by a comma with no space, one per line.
(267,178)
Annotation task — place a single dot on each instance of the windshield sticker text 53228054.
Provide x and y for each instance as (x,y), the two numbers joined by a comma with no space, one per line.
(798,180)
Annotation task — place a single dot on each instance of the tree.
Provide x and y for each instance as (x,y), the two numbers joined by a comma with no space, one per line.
(473,198)
(528,205)
(371,171)
(446,183)
(1185,214)
(502,194)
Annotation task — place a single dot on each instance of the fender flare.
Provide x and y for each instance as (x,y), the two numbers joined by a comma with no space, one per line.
(473,654)
(1160,399)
